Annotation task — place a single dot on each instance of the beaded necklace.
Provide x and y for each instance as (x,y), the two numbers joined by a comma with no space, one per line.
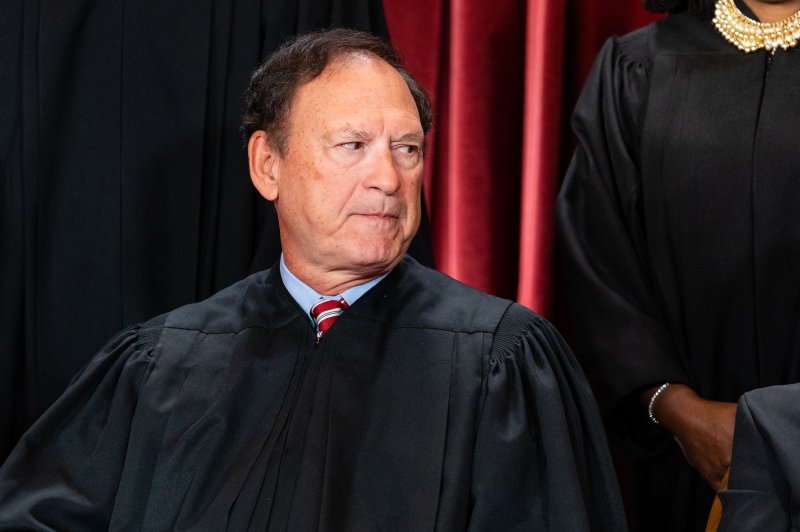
(749,35)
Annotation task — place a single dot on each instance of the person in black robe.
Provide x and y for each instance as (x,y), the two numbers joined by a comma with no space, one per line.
(427,405)
(764,488)
(123,190)
(680,232)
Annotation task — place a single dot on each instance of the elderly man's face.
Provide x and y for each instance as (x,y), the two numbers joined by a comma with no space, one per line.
(347,190)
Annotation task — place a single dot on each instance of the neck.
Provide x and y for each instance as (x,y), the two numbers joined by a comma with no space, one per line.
(331,282)
(773,11)
(332,285)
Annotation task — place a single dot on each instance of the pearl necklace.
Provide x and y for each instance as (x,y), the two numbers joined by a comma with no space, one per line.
(749,35)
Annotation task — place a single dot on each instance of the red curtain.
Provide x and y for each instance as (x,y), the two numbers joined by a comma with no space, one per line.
(503,76)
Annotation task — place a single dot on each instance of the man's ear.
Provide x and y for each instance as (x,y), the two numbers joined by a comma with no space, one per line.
(264,164)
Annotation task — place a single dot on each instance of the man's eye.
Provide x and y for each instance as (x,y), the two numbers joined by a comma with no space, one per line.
(352,145)
(408,148)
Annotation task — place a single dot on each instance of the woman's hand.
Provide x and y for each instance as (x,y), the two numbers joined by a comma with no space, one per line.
(703,429)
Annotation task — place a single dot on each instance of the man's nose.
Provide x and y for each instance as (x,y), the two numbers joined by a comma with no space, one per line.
(383,172)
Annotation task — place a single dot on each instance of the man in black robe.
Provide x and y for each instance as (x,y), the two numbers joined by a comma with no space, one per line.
(417,404)
(124,192)
(764,488)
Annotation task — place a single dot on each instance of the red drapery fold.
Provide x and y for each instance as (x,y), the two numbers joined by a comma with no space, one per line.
(503,77)
(542,112)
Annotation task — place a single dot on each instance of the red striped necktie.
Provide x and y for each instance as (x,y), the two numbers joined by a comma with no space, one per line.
(326,312)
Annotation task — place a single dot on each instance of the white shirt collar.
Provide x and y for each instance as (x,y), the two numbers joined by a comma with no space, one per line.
(306,297)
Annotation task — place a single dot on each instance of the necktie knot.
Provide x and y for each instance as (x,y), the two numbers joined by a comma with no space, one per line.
(326,312)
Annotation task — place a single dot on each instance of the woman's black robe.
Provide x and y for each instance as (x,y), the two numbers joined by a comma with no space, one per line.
(680,222)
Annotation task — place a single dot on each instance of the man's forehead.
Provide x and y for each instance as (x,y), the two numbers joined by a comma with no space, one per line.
(352,59)
(356,71)
(356,86)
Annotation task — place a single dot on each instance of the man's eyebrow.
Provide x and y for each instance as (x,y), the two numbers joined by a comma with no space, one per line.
(358,134)
(410,137)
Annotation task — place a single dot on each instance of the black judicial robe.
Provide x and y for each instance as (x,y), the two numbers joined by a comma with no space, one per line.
(124,189)
(428,405)
(680,227)
(764,489)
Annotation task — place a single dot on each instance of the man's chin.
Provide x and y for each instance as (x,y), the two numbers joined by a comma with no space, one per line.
(378,258)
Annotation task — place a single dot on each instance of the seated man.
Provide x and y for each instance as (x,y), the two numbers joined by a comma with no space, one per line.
(764,488)
(404,401)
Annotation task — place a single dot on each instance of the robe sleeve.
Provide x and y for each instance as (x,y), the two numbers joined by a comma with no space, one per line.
(64,472)
(622,337)
(541,458)
(764,488)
